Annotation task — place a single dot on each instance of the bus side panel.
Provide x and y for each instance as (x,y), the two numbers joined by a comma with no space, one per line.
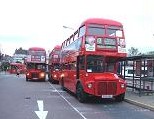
(66,79)
(72,80)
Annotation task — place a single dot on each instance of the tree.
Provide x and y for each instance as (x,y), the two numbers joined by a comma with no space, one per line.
(133,52)
(20,51)
(150,53)
(5,66)
(1,56)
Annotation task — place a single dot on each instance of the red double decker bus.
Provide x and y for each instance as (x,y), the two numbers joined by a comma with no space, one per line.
(54,64)
(17,66)
(89,60)
(36,64)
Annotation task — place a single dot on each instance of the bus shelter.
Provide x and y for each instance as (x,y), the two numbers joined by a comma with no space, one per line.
(138,71)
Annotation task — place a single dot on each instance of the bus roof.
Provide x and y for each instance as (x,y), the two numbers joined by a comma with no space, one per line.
(37,49)
(16,64)
(101,21)
(57,47)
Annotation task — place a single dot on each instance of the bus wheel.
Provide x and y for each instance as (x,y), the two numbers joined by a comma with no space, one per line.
(81,95)
(120,97)
(53,81)
(26,79)
(44,79)
(62,84)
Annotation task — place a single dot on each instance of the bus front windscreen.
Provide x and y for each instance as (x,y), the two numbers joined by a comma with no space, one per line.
(101,30)
(114,31)
(36,66)
(97,30)
(95,64)
(56,67)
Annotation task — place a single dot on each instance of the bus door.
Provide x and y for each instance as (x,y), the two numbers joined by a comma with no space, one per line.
(72,75)
(94,66)
(80,68)
(66,73)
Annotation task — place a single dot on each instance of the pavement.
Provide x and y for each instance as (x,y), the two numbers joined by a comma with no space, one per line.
(145,100)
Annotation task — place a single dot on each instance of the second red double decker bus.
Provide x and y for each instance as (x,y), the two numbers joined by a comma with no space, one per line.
(36,64)
(17,66)
(54,64)
(89,60)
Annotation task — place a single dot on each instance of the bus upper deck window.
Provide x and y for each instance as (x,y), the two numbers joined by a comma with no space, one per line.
(95,29)
(114,31)
(82,31)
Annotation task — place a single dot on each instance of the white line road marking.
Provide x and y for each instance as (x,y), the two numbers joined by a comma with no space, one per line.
(40,105)
(68,102)
(41,114)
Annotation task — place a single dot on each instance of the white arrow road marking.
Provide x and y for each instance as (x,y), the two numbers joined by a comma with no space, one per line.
(41,114)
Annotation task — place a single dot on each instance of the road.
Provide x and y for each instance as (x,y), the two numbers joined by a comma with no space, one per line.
(19,100)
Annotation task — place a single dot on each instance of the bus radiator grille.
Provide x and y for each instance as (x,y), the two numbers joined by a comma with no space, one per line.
(106,88)
(35,75)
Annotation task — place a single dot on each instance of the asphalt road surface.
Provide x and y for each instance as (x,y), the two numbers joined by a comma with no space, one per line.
(31,100)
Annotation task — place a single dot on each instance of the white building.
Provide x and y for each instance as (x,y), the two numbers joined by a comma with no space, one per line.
(19,58)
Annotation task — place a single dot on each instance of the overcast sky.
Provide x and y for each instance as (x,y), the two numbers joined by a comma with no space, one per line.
(26,23)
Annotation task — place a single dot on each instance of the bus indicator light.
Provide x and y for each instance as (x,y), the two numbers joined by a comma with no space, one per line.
(42,75)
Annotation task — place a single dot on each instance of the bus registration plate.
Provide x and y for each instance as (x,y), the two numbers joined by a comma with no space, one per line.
(107,96)
(35,78)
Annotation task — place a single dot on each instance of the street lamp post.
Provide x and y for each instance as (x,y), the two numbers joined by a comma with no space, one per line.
(69,28)
(66,27)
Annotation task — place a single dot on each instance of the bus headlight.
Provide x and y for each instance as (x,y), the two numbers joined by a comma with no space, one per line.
(122,85)
(90,85)
(55,76)
(62,75)
(42,74)
(27,74)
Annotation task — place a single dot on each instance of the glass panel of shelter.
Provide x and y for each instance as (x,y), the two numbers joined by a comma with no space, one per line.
(139,73)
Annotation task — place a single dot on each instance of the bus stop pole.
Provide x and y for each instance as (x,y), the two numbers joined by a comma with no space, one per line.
(133,76)
(124,70)
(140,78)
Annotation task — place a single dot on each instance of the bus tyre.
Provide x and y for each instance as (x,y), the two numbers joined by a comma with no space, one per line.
(81,95)
(44,79)
(62,84)
(26,79)
(52,80)
(120,97)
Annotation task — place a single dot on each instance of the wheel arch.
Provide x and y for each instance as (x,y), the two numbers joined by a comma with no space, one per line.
(77,83)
